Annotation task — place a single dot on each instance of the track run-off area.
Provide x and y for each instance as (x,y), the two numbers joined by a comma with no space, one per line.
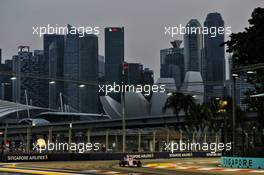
(184,166)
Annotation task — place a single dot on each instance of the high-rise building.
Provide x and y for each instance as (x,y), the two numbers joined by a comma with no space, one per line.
(38,68)
(6,91)
(134,73)
(114,56)
(148,76)
(88,72)
(101,66)
(0,55)
(56,53)
(172,63)
(20,66)
(214,58)
(28,86)
(81,64)
(71,71)
(9,63)
(48,39)
(5,82)
(242,87)
(192,47)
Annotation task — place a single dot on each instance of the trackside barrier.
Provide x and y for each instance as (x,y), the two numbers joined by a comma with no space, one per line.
(242,162)
(100,156)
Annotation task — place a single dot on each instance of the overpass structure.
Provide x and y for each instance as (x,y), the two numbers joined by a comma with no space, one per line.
(143,134)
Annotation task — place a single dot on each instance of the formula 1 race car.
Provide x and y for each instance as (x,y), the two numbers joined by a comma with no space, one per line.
(130,162)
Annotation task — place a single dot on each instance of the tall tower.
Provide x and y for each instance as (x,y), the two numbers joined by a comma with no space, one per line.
(172,62)
(214,55)
(114,55)
(47,41)
(81,64)
(71,71)
(56,55)
(192,47)
(0,55)
(21,63)
(27,89)
(88,72)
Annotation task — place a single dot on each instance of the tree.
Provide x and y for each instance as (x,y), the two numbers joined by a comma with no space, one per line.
(200,115)
(179,101)
(247,48)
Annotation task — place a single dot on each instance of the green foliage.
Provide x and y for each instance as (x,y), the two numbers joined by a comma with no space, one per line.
(178,102)
(247,48)
(195,114)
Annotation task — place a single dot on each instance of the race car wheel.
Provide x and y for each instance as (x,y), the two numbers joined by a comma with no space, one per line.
(139,164)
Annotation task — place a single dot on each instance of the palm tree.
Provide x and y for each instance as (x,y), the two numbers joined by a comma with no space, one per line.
(198,117)
(200,114)
(188,104)
(177,102)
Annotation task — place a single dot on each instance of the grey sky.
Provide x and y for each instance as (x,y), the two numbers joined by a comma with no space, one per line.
(144,21)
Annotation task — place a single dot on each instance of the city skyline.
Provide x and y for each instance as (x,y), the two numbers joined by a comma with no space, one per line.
(146,28)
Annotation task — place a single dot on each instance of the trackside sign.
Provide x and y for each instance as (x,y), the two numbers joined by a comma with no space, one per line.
(242,162)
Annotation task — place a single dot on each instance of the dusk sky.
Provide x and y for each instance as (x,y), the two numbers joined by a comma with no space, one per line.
(144,21)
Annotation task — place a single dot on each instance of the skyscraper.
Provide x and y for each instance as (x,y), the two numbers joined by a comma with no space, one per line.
(56,53)
(148,76)
(81,64)
(0,55)
(214,56)
(21,66)
(88,72)
(192,47)
(38,68)
(48,39)
(5,82)
(9,63)
(28,86)
(242,87)
(101,66)
(71,71)
(134,73)
(114,56)
(172,63)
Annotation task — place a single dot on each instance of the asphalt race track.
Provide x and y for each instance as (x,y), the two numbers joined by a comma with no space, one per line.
(186,166)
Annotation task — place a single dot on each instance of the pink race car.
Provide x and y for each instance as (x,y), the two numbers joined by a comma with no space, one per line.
(130,162)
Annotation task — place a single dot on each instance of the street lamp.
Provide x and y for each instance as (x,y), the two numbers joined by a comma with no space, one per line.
(13,78)
(169,94)
(52,82)
(254,135)
(125,68)
(234,75)
(250,72)
(82,86)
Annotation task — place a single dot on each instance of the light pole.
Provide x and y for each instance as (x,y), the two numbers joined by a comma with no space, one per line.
(15,91)
(52,94)
(234,76)
(123,122)
(249,70)
(125,67)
